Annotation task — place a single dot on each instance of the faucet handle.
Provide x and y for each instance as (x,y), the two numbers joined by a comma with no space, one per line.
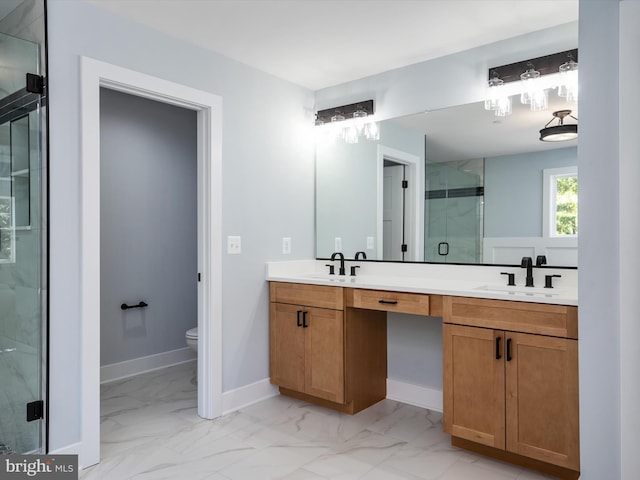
(511,278)
(331,268)
(548,280)
(353,270)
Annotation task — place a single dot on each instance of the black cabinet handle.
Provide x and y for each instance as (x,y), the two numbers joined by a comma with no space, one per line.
(388,302)
(498,356)
(298,318)
(508,349)
(304,320)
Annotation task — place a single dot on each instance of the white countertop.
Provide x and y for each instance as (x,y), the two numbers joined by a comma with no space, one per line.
(440,279)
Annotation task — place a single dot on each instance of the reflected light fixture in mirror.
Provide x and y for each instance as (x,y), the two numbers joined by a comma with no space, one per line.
(562,131)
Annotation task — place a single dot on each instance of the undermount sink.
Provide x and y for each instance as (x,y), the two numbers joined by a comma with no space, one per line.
(520,291)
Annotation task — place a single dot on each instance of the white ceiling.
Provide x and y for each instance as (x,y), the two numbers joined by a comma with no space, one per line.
(321,43)
(470,131)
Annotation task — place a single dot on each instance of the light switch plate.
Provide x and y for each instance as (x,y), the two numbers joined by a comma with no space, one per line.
(286,245)
(370,244)
(234,245)
(337,244)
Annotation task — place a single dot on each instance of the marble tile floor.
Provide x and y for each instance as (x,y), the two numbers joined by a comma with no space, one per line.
(150,430)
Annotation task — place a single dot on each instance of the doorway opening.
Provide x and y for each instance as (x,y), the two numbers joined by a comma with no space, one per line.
(400,210)
(208,108)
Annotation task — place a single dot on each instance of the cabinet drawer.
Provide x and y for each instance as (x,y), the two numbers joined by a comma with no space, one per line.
(415,303)
(538,318)
(310,295)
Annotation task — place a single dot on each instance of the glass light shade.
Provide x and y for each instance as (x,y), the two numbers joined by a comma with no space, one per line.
(496,98)
(533,93)
(371,131)
(568,87)
(350,134)
(359,117)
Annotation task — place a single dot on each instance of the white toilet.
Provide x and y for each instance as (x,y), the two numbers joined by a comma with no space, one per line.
(192,339)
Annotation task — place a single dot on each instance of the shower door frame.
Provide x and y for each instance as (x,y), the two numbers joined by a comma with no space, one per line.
(94,75)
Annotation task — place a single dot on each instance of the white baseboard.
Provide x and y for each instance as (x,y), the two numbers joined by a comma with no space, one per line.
(238,398)
(129,368)
(73,449)
(416,395)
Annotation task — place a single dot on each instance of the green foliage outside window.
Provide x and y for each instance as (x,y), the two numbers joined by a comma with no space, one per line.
(567,206)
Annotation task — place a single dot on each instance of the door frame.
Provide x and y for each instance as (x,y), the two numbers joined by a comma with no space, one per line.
(414,212)
(95,74)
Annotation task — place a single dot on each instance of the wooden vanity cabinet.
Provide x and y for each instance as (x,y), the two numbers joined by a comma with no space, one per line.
(508,390)
(323,352)
(308,351)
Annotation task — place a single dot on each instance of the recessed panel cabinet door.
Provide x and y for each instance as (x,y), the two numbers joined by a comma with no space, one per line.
(542,399)
(325,354)
(474,384)
(287,346)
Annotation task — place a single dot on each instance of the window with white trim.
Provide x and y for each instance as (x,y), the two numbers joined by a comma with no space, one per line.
(560,197)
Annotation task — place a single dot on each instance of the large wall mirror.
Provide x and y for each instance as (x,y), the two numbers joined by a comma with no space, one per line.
(480,189)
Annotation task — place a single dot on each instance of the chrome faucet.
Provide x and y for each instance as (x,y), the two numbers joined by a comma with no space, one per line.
(341,257)
(528,264)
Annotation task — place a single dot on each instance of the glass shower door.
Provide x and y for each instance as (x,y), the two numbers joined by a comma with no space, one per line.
(22,246)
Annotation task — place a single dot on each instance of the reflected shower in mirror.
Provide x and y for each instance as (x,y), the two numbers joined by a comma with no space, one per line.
(479,189)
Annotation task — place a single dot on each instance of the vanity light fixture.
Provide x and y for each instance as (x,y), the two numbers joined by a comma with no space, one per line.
(562,131)
(532,79)
(350,121)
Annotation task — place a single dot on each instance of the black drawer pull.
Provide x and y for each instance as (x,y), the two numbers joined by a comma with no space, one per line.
(498,356)
(388,302)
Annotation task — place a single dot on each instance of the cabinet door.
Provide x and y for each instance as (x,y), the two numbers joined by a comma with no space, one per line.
(324,354)
(474,384)
(542,399)
(287,346)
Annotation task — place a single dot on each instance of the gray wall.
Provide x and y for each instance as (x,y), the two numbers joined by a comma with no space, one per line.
(519,177)
(267,126)
(148,226)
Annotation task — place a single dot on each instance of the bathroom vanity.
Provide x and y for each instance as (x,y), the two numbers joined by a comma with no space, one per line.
(510,355)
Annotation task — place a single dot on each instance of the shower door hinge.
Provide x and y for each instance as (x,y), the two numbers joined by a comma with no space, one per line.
(35,410)
(405,183)
(199,277)
(404,247)
(35,83)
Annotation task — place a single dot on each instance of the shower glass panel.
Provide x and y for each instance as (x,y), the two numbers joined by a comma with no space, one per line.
(22,235)
(454,211)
